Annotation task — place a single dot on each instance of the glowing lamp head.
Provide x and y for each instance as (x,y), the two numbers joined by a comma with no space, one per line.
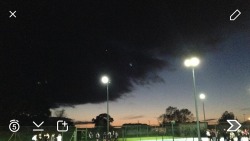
(202,96)
(192,62)
(187,63)
(105,79)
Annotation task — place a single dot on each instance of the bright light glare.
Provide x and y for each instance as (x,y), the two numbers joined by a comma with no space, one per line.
(192,62)
(105,79)
(195,61)
(187,63)
(202,96)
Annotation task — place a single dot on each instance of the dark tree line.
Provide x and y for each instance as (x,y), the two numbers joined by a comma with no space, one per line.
(174,114)
(225,116)
(101,122)
(185,115)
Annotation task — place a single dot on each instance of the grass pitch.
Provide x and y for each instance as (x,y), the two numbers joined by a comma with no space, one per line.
(155,138)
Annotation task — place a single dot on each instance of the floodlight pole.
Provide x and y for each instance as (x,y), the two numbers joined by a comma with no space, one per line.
(107,108)
(172,125)
(202,97)
(204,111)
(196,107)
(105,80)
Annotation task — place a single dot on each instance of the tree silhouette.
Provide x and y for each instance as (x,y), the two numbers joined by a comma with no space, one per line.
(173,113)
(185,116)
(225,116)
(101,121)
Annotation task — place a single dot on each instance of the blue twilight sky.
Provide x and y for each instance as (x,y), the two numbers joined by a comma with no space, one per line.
(222,75)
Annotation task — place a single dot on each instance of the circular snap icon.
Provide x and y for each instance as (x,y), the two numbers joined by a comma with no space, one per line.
(14,125)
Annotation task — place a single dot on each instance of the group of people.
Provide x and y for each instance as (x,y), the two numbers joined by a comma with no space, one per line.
(47,137)
(239,135)
(111,136)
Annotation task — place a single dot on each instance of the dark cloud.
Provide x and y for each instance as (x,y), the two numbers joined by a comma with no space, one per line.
(59,51)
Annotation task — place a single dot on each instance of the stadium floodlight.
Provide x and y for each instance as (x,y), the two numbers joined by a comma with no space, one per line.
(202,96)
(105,80)
(194,62)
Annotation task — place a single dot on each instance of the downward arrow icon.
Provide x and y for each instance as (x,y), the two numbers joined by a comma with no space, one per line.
(235,125)
(39,124)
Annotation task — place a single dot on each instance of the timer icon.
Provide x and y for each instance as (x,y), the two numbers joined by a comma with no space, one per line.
(14,125)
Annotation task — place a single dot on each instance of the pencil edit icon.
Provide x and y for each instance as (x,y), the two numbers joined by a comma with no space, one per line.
(235,15)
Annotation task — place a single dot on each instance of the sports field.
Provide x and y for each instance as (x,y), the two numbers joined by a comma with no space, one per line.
(156,138)
(164,138)
(167,138)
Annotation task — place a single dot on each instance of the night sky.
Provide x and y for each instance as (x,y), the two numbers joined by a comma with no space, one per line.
(58,51)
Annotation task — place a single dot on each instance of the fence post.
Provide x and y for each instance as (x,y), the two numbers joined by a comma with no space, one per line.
(75,135)
(123,134)
(147,130)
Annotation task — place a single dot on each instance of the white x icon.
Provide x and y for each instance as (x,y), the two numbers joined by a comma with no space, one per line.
(12,14)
